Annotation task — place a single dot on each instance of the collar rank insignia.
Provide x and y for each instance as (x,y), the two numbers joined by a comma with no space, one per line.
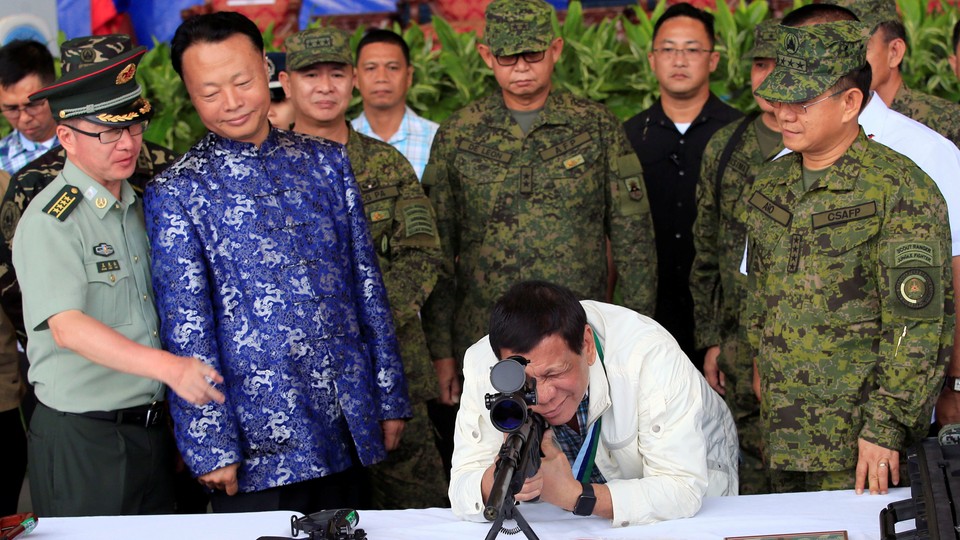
(103,249)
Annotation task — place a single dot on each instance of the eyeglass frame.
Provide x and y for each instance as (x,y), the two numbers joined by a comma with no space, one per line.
(99,134)
(805,106)
(686,52)
(13,111)
(526,55)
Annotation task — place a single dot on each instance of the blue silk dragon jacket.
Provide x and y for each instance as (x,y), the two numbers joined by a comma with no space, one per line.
(263,267)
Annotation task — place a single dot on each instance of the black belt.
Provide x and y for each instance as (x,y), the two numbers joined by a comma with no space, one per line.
(144,415)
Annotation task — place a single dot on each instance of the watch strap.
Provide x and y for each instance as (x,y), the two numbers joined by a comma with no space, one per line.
(586,501)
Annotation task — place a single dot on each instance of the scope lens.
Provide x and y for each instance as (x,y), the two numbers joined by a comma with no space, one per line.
(508,414)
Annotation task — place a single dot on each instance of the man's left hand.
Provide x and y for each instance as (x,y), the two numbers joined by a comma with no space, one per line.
(560,488)
(876,467)
(392,431)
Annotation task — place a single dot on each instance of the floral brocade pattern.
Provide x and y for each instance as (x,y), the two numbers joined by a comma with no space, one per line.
(264,268)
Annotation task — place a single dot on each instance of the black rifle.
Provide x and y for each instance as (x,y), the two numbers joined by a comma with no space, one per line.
(519,456)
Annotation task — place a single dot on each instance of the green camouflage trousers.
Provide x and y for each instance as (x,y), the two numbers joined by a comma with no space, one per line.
(412,475)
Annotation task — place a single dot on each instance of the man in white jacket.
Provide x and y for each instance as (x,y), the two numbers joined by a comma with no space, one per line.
(666,439)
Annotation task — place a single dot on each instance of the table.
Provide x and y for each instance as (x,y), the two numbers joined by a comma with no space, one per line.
(719,517)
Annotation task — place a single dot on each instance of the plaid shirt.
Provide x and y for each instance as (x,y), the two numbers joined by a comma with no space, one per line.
(16,151)
(413,139)
(570,441)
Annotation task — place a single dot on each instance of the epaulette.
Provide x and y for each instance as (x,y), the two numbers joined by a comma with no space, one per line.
(63,203)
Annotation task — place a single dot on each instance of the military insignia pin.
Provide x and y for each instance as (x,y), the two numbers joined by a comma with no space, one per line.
(103,249)
(127,74)
(101,202)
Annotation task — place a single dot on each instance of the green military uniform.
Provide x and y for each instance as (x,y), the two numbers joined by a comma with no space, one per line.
(97,444)
(938,114)
(403,227)
(533,202)
(537,206)
(718,287)
(850,305)
(716,283)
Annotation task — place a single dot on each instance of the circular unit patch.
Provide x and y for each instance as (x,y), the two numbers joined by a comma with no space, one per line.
(915,289)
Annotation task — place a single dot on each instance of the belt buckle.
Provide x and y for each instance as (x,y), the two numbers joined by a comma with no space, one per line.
(154,413)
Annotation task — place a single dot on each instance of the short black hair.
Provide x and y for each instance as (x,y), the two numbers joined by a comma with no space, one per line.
(859,78)
(24,57)
(684,9)
(818,14)
(211,28)
(379,35)
(533,310)
(956,36)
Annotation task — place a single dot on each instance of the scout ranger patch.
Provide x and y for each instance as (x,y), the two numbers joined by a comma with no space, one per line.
(63,203)
(914,288)
(103,249)
(914,254)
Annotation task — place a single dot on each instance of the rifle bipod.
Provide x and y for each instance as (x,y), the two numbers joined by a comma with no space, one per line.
(509,510)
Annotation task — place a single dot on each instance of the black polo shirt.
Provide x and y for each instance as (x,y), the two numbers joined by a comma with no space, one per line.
(671,170)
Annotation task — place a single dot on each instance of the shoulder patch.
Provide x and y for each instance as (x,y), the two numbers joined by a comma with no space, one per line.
(63,203)
(9,217)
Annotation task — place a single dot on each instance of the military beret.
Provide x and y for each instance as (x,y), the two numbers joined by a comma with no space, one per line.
(316,45)
(811,59)
(516,26)
(98,82)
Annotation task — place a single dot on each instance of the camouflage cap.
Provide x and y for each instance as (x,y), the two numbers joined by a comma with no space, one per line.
(98,82)
(870,12)
(516,26)
(316,45)
(764,40)
(811,59)
(82,52)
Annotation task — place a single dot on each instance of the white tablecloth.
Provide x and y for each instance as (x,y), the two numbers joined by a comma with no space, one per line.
(719,517)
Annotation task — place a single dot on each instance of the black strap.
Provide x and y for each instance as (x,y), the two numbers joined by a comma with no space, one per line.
(728,152)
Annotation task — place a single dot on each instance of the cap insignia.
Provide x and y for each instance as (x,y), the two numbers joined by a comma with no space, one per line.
(127,74)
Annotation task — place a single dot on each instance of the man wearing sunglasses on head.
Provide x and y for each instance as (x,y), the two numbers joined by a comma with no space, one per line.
(99,443)
(532,182)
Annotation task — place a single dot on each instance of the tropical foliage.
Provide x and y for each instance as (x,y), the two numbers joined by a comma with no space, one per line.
(604,61)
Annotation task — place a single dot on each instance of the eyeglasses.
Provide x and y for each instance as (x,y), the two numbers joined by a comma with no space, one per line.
(113,135)
(529,57)
(13,111)
(690,52)
(793,107)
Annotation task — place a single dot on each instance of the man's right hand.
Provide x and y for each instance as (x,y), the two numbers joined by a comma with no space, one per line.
(193,380)
(711,370)
(222,479)
(449,380)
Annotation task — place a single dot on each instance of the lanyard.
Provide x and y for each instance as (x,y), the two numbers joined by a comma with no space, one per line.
(583,465)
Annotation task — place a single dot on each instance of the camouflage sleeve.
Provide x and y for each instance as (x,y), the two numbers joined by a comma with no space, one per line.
(916,298)
(629,223)
(415,256)
(438,311)
(705,272)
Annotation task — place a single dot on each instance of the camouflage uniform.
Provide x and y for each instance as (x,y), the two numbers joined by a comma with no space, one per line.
(850,297)
(716,284)
(936,113)
(403,228)
(537,206)
(718,287)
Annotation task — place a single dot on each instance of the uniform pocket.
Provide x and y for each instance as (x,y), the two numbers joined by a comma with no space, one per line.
(108,293)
